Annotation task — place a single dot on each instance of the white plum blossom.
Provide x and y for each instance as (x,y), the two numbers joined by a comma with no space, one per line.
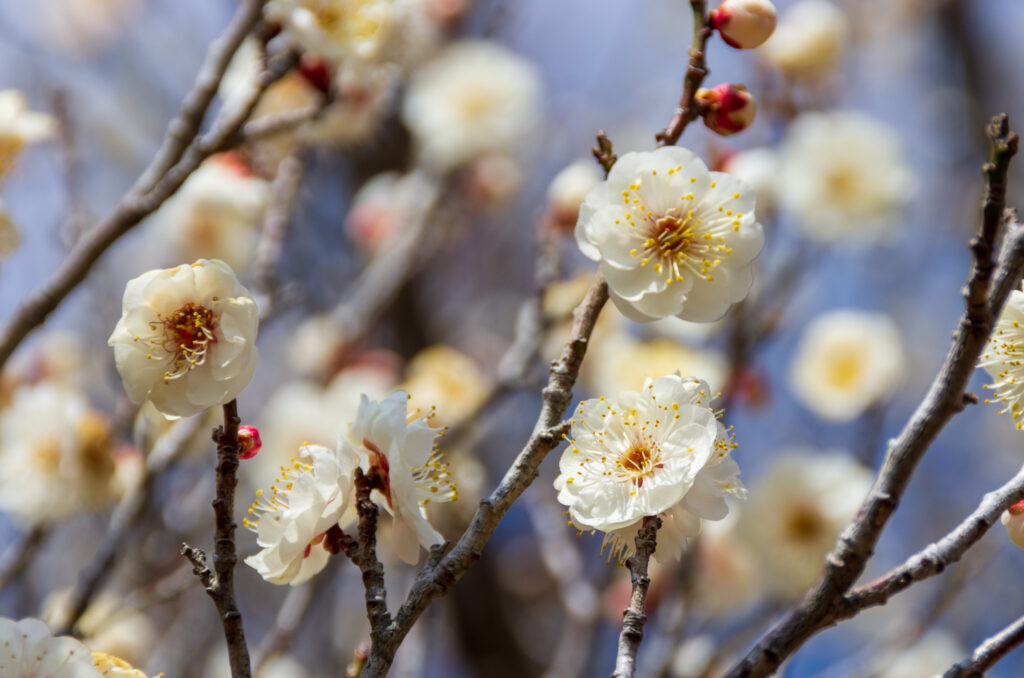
(1013,520)
(310,496)
(809,40)
(110,666)
(29,650)
(621,362)
(844,174)
(339,29)
(186,339)
(672,237)
(846,361)
(1003,357)
(795,513)
(475,97)
(660,451)
(569,189)
(215,214)
(58,454)
(20,127)
(399,448)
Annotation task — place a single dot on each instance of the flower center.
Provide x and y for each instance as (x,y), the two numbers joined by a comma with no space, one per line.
(639,461)
(844,369)
(183,338)
(804,524)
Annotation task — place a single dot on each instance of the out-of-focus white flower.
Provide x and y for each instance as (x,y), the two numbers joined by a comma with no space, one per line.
(1013,521)
(315,345)
(726,571)
(9,236)
(107,625)
(399,448)
(215,214)
(491,180)
(114,667)
(362,95)
(84,26)
(569,189)
(845,176)
(795,513)
(59,454)
(186,339)
(475,97)
(443,377)
(809,40)
(621,362)
(218,665)
(727,108)
(310,496)
(1003,358)
(56,356)
(660,451)
(759,169)
(672,237)
(338,29)
(744,24)
(31,651)
(20,127)
(386,205)
(846,361)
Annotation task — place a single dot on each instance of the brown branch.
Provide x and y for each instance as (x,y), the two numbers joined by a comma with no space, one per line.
(18,556)
(220,584)
(696,71)
(936,557)
(946,397)
(185,126)
(443,570)
(132,507)
(133,207)
(989,652)
(373,571)
(633,617)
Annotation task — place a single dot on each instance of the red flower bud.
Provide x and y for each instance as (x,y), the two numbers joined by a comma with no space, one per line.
(249,441)
(744,24)
(727,108)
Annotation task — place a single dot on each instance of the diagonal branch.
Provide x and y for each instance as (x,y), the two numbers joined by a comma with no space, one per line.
(946,397)
(988,653)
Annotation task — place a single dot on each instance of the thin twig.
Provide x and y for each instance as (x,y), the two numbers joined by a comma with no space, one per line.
(988,653)
(985,296)
(220,584)
(936,557)
(696,71)
(370,566)
(133,506)
(17,557)
(283,193)
(443,570)
(634,617)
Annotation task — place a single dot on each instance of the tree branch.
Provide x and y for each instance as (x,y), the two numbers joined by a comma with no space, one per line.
(945,398)
(220,584)
(696,71)
(633,617)
(936,557)
(373,571)
(989,652)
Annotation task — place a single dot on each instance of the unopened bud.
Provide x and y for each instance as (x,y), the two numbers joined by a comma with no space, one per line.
(1013,521)
(727,108)
(316,71)
(810,40)
(568,190)
(249,441)
(744,24)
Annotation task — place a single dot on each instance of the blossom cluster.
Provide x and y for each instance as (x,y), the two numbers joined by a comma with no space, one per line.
(394,448)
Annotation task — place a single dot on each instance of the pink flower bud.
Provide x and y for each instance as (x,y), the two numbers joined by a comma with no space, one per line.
(727,108)
(1013,521)
(249,440)
(744,24)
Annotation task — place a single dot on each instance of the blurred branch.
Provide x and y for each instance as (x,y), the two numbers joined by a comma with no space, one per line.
(220,585)
(141,200)
(185,126)
(936,557)
(633,617)
(289,618)
(283,193)
(132,507)
(989,652)
(985,297)
(17,556)
(443,570)
(696,71)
